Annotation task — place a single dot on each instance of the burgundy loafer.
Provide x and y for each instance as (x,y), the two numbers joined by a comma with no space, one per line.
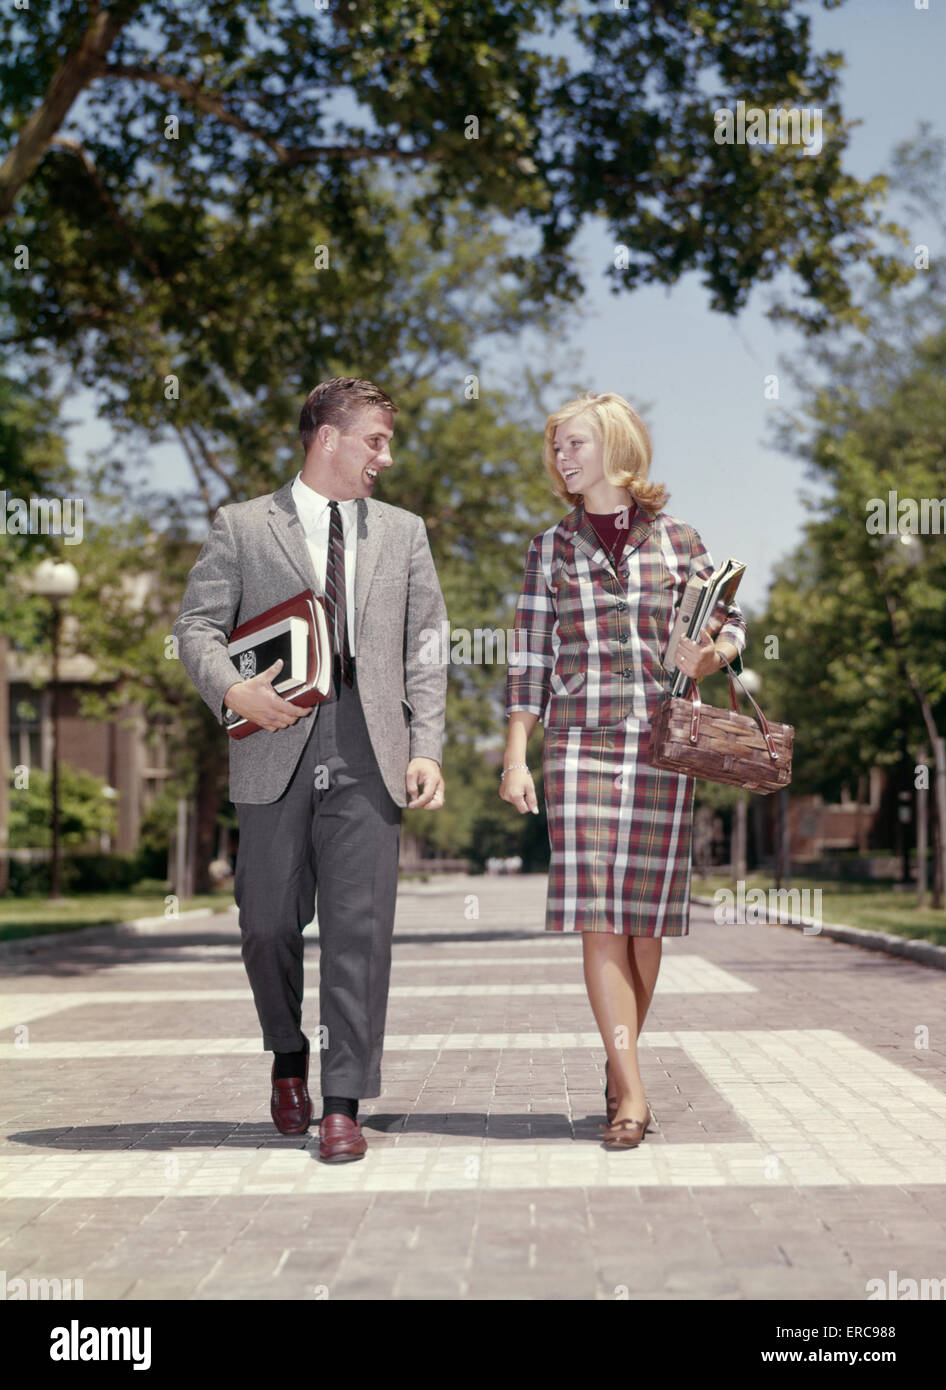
(341,1139)
(290,1105)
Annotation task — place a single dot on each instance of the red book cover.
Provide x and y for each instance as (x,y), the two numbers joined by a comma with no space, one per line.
(316,685)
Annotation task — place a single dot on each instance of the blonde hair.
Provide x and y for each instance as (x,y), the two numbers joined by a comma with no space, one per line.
(625,448)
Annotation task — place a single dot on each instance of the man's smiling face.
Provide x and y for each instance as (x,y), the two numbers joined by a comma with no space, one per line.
(356,456)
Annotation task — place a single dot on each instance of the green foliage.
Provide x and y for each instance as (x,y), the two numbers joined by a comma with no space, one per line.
(84,812)
(84,874)
(32,463)
(860,618)
(159,822)
(193,258)
(581,111)
(475,823)
(470,467)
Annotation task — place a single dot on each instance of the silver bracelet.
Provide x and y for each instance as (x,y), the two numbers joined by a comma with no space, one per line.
(512,768)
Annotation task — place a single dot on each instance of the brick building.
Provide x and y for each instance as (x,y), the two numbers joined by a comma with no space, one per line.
(114,749)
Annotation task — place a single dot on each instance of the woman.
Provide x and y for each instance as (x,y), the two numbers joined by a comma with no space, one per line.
(592,624)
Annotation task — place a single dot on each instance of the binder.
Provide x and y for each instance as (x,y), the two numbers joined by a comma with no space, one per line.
(297,631)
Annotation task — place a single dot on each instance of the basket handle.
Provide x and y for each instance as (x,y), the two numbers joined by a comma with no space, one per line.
(698,705)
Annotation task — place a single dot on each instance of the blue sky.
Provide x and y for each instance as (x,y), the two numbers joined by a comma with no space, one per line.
(698,376)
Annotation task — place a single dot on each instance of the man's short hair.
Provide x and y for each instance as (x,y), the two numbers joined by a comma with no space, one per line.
(338,402)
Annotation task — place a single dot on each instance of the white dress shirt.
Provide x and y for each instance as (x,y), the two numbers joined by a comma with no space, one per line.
(315,516)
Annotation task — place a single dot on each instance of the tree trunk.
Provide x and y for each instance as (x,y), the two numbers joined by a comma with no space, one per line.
(4,769)
(739,836)
(939,787)
(938,742)
(922,826)
(78,69)
(938,847)
(211,768)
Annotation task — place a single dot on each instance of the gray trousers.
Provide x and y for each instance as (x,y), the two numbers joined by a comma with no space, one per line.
(335,827)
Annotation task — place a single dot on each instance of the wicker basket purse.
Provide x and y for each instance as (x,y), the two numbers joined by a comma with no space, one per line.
(721,745)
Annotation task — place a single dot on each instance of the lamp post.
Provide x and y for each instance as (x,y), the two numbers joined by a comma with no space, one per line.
(105,840)
(55,580)
(740,836)
(783,835)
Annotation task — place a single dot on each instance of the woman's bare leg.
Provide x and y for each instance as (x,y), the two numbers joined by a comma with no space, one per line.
(644,954)
(612,993)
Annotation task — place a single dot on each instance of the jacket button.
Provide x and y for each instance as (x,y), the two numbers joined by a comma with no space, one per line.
(620,606)
(623,641)
(627,672)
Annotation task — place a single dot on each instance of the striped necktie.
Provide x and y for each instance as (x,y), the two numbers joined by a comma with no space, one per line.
(335,605)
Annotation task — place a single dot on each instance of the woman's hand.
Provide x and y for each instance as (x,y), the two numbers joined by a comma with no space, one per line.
(518,789)
(698,659)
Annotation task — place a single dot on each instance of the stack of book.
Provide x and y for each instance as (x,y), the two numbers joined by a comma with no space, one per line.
(295,632)
(701,599)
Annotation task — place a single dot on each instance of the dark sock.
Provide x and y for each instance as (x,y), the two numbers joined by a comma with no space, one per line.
(339,1105)
(289,1063)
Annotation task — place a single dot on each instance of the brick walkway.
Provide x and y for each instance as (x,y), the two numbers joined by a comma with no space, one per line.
(800,1147)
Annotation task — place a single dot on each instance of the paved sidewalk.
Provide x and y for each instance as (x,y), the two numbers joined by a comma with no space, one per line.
(799,1088)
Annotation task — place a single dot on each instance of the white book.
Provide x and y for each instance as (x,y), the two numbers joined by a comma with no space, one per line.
(323,674)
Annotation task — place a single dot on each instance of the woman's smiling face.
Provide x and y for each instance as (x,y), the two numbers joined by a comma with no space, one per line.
(578,454)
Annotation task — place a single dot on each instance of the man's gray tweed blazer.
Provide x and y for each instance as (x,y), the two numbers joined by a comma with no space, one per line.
(256,556)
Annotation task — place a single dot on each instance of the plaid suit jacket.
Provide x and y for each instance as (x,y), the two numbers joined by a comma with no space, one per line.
(589,638)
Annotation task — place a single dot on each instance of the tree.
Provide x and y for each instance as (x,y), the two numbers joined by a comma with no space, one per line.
(862,615)
(33,462)
(860,606)
(467,458)
(533,110)
(85,811)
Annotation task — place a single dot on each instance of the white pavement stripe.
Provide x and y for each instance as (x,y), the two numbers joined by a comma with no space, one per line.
(400,963)
(821,1109)
(691,975)
(410,1166)
(21,1008)
(688,975)
(394,1042)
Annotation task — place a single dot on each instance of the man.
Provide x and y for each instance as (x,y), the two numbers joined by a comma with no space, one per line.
(319,792)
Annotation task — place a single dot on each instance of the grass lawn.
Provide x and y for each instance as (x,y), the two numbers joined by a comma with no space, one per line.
(36,916)
(874,906)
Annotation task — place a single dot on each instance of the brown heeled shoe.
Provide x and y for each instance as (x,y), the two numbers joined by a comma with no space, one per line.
(621,1134)
(611,1104)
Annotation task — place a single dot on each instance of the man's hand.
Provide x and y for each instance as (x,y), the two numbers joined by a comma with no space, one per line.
(256,700)
(424,773)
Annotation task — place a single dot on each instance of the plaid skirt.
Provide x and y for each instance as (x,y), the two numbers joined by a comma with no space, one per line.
(620,834)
